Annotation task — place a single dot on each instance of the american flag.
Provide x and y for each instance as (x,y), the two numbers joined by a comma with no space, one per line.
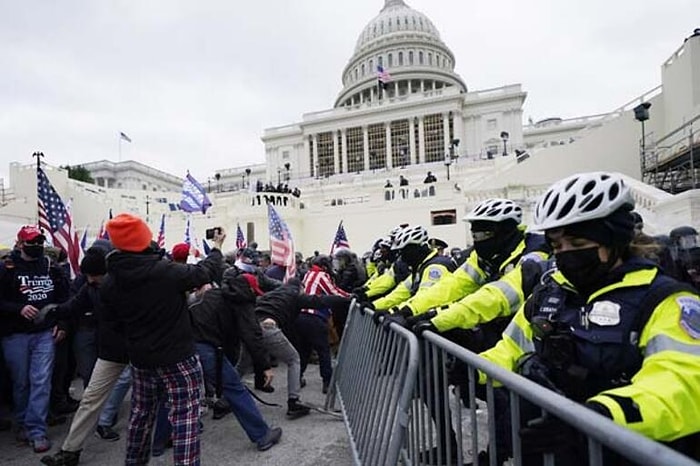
(341,239)
(240,239)
(102,234)
(56,219)
(161,232)
(383,76)
(194,198)
(83,240)
(281,243)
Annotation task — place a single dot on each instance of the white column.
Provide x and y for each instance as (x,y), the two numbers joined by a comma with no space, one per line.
(422,85)
(389,162)
(410,89)
(344,154)
(315,170)
(421,138)
(336,153)
(365,143)
(396,88)
(446,131)
(412,142)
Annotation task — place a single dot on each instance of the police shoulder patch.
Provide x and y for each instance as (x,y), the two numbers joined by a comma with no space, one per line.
(435,274)
(690,315)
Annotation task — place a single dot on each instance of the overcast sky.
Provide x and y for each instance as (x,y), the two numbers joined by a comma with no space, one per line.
(194,83)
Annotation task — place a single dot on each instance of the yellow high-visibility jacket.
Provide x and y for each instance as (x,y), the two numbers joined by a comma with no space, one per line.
(426,275)
(661,401)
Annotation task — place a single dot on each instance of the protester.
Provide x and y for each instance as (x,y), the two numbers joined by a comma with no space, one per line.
(180,253)
(28,282)
(430,178)
(147,294)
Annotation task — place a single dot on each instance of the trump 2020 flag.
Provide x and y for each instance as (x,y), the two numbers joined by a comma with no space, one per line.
(240,239)
(281,243)
(55,218)
(161,232)
(341,239)
(194,198)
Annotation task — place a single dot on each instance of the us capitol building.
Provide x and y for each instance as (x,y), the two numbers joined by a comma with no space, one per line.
(424,118)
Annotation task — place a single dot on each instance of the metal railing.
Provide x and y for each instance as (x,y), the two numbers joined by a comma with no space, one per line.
(373,381)
(402,406)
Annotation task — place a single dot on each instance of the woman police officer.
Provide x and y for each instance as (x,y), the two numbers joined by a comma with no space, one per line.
(607,329)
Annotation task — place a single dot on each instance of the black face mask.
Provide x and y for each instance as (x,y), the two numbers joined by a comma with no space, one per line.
(487,249)
(34,251)
(583,268)
(412,255)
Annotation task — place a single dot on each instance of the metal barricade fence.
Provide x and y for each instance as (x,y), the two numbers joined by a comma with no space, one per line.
(401,406)
(373,380)
(438,419)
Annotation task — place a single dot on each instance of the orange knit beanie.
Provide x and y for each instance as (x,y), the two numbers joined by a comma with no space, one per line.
(129,233)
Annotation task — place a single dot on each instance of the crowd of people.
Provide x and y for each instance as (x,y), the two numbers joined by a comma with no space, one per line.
(583,303)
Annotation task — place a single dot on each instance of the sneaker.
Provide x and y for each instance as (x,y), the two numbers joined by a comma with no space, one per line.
(62,458)
(270,439)
(295,409)
(221,409)
(106,433)
(41,445)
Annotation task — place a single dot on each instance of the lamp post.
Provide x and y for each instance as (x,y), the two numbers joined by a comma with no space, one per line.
(279,175)
(504,138)
(448,162)
(287,166)
(148,210)
(641,114)
(247,176)
(218,178)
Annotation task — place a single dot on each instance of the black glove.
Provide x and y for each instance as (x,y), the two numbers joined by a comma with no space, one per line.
(424,326)
(412,321)
(360,294)
(393,318)
(379,316)
(546,434)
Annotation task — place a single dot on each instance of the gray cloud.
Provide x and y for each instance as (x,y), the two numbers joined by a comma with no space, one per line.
(195,83)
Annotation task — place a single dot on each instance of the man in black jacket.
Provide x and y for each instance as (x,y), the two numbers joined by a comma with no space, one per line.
(221,319)
(147,294)
(277,310)
(112,361)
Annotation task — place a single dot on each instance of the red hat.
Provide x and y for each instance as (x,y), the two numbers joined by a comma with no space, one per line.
(180,252)
(129,233)
(30,233)
(253,282)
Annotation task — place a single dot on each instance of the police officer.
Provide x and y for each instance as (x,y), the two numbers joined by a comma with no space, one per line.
(397,271)
(607,329)
(425,264)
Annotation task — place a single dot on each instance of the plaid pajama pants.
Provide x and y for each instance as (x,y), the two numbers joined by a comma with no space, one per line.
(179,384)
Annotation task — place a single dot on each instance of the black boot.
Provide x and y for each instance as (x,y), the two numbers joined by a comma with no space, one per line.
(62,458)
(296,409)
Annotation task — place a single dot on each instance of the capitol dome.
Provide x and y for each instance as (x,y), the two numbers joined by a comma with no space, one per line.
(406,44)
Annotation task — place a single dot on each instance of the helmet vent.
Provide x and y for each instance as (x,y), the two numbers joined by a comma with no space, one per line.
(566,208)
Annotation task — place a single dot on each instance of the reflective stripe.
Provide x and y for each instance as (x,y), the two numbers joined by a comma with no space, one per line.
(665,343)
(518,336)
(510,293)
(472,272)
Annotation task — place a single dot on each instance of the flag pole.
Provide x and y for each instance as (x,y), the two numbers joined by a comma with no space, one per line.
(38,156)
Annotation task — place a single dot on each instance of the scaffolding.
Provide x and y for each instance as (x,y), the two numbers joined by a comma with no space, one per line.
(672,163)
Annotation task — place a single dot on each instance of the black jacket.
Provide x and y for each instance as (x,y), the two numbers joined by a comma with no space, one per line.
(86,306)
(147,294)
(38,282)
(224,317)
(284,303)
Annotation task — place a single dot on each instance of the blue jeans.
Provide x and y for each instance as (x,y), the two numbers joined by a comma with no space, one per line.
(116,398)
(242,404)
(85,350)
(29,357)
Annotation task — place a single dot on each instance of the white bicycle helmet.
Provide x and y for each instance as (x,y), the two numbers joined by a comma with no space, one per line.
(410,235)
(581,197)
(495,210)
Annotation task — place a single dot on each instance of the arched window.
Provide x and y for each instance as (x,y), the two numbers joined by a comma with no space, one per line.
(420,57)
(363,69)
(430,59)
(380,61)
(390,60)
(381,27)
(410,57)
(371,66)
(356,74)
(400,58)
